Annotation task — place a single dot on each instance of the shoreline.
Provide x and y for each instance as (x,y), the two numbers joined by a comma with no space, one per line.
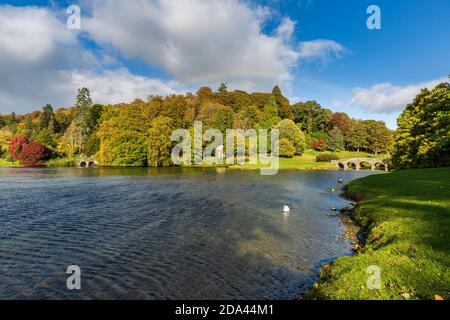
(405,223)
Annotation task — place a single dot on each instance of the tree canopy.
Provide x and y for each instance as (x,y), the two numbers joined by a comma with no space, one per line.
(423,135)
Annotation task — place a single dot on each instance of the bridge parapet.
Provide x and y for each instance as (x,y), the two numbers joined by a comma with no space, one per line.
(373,162)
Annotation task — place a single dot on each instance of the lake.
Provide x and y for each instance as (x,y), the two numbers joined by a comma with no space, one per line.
(167,233)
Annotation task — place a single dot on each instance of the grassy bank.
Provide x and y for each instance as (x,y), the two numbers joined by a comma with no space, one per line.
(4,163)
(308,161)
(407,217)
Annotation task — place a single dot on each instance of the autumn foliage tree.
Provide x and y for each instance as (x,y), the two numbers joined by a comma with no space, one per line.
(29,154)
(33,154)
(17,145)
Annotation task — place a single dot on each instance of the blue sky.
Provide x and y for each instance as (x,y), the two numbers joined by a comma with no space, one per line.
(314,49)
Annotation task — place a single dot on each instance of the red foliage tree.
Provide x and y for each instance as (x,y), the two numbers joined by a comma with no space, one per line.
(33,154)
(342,121)
(319,145)
(17,145)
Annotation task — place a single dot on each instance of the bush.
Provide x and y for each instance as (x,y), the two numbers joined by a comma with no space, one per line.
(287,149)
(318,145)
(326,157)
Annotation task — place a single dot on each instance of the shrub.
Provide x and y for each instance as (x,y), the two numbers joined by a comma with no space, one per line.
(319,145)
(326,157)
(33,154)
(287,149)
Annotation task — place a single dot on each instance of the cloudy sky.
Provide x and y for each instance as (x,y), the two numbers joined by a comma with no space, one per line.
(314,49)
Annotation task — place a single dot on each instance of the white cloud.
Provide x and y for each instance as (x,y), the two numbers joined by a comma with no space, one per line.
(321,49)
(204,42)
(30,34)
(286,29)
(389,98)
(121,86)
(42,62)
(197,42)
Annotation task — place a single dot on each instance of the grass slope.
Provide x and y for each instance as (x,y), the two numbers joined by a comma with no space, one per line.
(407,216)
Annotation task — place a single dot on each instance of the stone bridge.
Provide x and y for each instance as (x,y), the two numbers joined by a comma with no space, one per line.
(87,162)
(356,162)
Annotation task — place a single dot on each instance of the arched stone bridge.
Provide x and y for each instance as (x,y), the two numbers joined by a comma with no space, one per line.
(356,162)
(87,162)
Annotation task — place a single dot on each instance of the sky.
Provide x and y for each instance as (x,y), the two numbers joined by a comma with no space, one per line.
(313,49)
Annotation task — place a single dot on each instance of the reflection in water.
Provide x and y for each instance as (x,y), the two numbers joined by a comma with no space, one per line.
(142,233)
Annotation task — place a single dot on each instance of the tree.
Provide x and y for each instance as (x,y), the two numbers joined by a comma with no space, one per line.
(289,131)
(159,142)
(45,117)
(47,138)
(287,149)
(423,135)
(312,116)
(357,137)
(222,88)
(64,118)
(17,145)
(335,140)
(247,118)
(69,143)
(379,137)
(33,154)
(83,115)
(283,105)
(216,116)
(269,118)
(5,139)
(342,121)
(123,137)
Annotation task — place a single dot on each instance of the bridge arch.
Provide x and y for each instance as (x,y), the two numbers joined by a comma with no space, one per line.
(85,162)
(359,163)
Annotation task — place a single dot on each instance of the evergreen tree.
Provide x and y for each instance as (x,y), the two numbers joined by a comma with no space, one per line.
(269,118)
(83,116)
(283,105)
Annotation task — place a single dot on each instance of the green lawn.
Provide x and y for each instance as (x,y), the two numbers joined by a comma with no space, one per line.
(407,216)
(4,163)
(308,161)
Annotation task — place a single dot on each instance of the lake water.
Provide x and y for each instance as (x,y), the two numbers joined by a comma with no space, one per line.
(167,233)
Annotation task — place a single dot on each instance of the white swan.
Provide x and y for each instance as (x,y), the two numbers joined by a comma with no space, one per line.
(286,209)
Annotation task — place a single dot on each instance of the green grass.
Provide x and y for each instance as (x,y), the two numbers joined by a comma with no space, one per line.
(308,161)
(407,217)
(4,163)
